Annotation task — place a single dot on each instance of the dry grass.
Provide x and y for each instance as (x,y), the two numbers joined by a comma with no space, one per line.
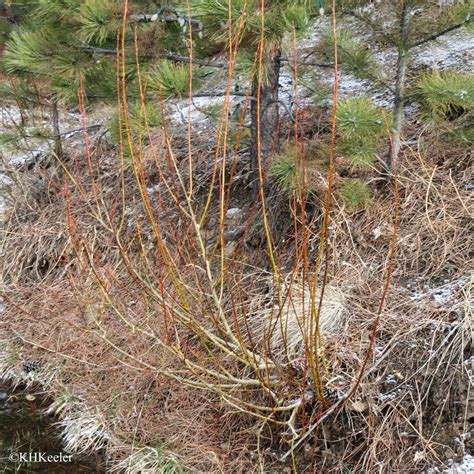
(286,325)
(411,401)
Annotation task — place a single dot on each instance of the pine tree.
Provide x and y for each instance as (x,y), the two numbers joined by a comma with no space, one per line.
(257,29)
(408,24)
(59,50)
(55,48)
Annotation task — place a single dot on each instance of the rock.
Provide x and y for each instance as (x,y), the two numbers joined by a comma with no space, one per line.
(234,234)
(233,213)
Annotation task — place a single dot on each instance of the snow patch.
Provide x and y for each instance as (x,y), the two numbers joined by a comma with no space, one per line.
(452,51)
(440,295)
(183,111)
(466,466)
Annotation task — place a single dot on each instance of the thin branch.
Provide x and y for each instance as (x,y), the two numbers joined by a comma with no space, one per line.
(435,36)
(169,18)
(185,59)
(312,427)
(304,63)
(170,56)
(220,94)
(78,130)
(375,28)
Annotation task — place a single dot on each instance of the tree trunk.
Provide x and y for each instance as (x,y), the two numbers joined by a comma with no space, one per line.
(58,148)
(264,119)
(399,100)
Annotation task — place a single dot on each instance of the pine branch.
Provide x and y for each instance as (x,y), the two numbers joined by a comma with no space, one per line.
(309,63)
(71,133)
(173,18)
(9,19)
(221,94)
(437,35)
(95,50)
(376,28)
(199,62)
(185,59)
(170,56)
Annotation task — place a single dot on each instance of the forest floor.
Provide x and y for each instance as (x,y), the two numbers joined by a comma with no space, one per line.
(412,412)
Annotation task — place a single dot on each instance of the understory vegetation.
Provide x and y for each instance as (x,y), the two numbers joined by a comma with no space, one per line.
(209,271)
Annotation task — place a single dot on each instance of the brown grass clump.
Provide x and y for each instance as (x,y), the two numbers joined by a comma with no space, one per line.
(286,325)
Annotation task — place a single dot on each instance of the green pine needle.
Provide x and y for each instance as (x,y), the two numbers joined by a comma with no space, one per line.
(287,171)
(213,112)
(354,57)
(280,19)
(98,20)
(19,90)
(358,152)
(464,135)
(141,122)
(448,104)
(360,118)
(28,51)
(297,17)
(361,126)
(10,139)
(283,172)
(169,79)
(63,10)
(446,95)
(38,51)
(355,195)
